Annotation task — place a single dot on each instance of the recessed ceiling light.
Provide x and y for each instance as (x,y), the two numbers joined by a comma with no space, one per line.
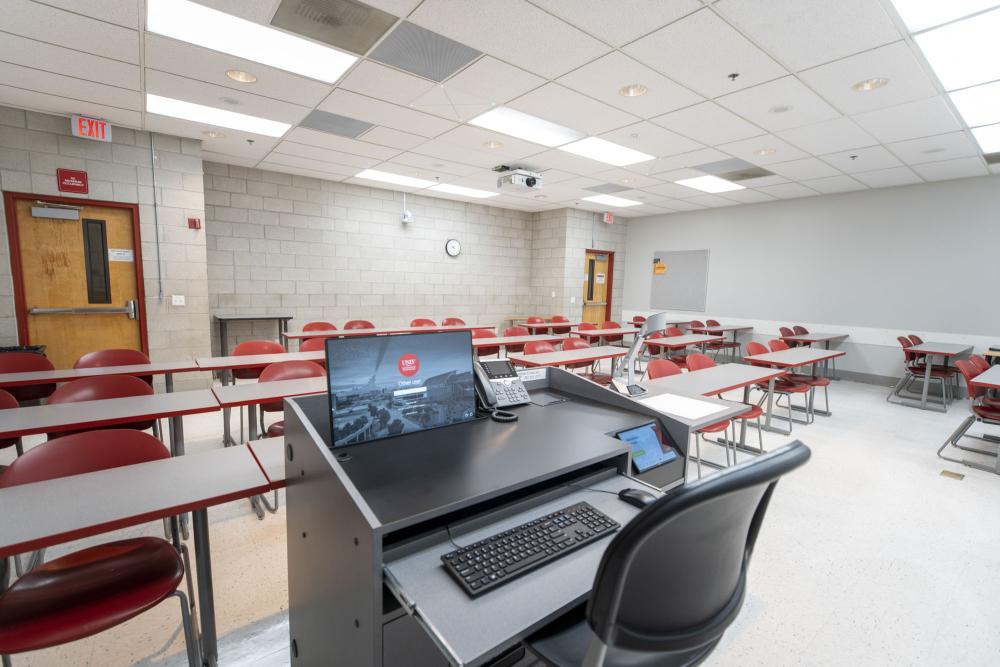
(633,90)
(611,200)
(764,152)
(965,53)
(979,105)
(711,184)
(626,180)
(870,84)
(241,76)
(921,14)
(464,192)
(541,196)
(781,108)
(988,138)
(199,113)
(525,126)
(197,24)
(606,151)
(437,165)
(212,134)
(492,145)
(395,179)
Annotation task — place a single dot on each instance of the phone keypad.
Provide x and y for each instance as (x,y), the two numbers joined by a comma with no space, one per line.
(510,392)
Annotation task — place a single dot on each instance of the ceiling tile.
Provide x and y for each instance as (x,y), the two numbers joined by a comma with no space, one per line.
(333,142)
(749,196)
(603,78)
(804,33)
(887,178)
(120,12)
(800,170)
(627,178)
(896,62)
(433,165)
(934,149)
(513,31)
(212,156)
(700,51)
(29,78)
(345,160)
(747,149)
(233,143)
(439,148)
(943,171)
(829,136)
(195,62)
(708,123)
(312,164)
(922,118)
(779,105)
(494,81)
(385,83)
(712,201)
(621,21)
(451,103)
(386,136)
(763,181)
(211,95)
(702,156)
(863,159)
(398,7)
(566,107)
(333,123)
(556,159)
(28,99)
(834,184)
(473,138)
(671,190)
(259,11)
(52,58)
(378,112)
(70,29)
(651,139)
(681,205)
(788,191)
(680,174)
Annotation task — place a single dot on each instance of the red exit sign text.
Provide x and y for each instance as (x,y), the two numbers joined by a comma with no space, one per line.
(90,128)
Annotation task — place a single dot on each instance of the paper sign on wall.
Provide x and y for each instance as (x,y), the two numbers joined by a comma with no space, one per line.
(529,374)
(659,268)
(121,255)
(600,278)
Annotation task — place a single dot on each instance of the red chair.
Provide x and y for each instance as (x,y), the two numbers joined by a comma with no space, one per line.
(252,347)
(612,340)
(638,320)
(535,319)
(538,347)
(318,326)
(27,362)
(586,326)
(915,370)
(593,375)
(697,362)
(559,330)
(97,588)
(515,331)
(314,345)
(422,322)
(284,370)
(696,324)
(485,351)
(8,402)
(655,350)
(101,387)
(782,386)
(786,331)
(115,357)
(800,330)
(661,368)
(719,345)
(452,322)
(712,323)
(679,357)
(358,324)
(983,410)
(979,362)
(778,345)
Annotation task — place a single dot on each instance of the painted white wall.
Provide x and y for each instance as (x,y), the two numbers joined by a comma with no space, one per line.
(875,264)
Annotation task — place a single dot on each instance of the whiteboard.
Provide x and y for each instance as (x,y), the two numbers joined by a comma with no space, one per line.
(679,280)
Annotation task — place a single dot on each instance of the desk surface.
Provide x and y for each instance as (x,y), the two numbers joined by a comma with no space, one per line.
(256,360)
(270,454)
(253,393)
(568,356)
(794,357)
(722,328)
(55,511)
(941,349)
(67,374)
(678,342)
(106,412)
(712,381)
(989,378)
(548,325)
(516,340)
(344,333)
(596,333)
(814,337)
(237,318)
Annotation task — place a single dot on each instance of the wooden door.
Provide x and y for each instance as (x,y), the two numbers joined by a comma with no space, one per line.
(80,281)
(595,286)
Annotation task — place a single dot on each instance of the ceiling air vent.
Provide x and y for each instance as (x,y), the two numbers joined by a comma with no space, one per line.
(734,170)
(346,24)
(333,123)
(422,52)
(607,188)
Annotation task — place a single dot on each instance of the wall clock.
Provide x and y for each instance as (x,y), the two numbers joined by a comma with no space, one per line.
(453,247)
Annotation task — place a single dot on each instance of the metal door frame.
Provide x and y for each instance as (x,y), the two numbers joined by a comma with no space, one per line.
(609,283)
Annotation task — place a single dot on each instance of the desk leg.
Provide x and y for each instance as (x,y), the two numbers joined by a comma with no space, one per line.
(227,437)
(928,362)
(206,597)
(256,502)
(770,410)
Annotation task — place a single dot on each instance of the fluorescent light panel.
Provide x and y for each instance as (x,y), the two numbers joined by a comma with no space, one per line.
(609,200)
(988,138)
(606,152)
(395,179)
(199,113)
(197,24)
(965,53)
(525,126)
(979,105)
(711,184)
(922,14)
(464,192)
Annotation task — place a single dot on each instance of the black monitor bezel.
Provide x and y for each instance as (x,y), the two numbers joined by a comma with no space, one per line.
(662,435)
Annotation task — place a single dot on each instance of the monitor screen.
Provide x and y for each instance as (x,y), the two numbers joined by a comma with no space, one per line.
(648,448)
(384,386)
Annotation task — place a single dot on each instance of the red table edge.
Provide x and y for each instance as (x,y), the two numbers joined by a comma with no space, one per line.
(59,428)
(234,366)
(379,331)
(659,342)
(804,338)
(828,355)
(723,329)
(193,368)
(940,354)
(258,401)
(773,376)
(527,362)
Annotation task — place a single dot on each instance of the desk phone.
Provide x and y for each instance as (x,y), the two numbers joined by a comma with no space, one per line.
(499,384)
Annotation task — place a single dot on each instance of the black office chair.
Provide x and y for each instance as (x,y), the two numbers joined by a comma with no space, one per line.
(673,579)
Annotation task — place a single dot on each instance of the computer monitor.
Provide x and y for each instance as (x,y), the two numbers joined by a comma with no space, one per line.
(650,448)
(385,386)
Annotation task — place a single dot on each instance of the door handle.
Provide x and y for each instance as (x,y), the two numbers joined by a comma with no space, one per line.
(130,308)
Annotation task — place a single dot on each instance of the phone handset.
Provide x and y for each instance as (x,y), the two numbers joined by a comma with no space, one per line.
(488,398)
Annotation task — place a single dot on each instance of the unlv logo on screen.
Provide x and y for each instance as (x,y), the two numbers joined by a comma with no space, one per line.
(409,365)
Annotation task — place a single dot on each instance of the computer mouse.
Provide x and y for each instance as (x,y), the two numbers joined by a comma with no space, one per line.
(636,497)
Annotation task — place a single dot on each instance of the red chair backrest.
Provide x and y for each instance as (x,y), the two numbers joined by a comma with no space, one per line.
(661,368)
(712,323)
(288,370)
(538,347)
(969,372)
(535,319)
(915,339)
(754,348)
(114,357)
(319,326)
(905,343)
(587,326)
(800,330)
(422,322)
(27,362)
(312,345)
(785,331)
(483,333)
(611,324)
(82,453)
(516,331)
(251,347)
(674,331)
(100,387)
(453,322)
(777,345)
(575,344)
(696,362)
(358,324)
(638,319)
(7,402)
(559,330)
(979,362)
(559,318)
(696,324)
(485,351)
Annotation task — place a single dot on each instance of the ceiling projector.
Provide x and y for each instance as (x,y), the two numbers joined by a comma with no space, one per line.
(521,179)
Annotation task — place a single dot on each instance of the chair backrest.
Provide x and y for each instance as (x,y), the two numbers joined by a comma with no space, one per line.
(485,351)
(755,348)
(82,453)
(712,323)
(695,324)
(358,324)
(610,324)
(452,322)
(915,339)
(980,363)
(785,331)
(696,362)
(586,326)
(250,347)
(7,402)
(800,330)
(661,368)
(516,331)
(27,362)
(483,333)
(538,347)
(422,322)
(572,344)
(558,318)
(319,326)
(312,345)
(693,548)
(100,387)
(969,372)
(638,319)
(535,319)
(777,345)
(905,342)
(674,331)
(114,357)
(288,370)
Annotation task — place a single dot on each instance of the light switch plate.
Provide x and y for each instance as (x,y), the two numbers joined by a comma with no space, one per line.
(177,299)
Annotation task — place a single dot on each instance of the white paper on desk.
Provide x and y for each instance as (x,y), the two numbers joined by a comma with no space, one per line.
(681,406)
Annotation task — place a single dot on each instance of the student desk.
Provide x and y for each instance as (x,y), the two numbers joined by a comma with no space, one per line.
(270,454)
(52,512)
(722,330)
(164,368)
(253,394)
(590,335)
(826,339)
(988,379)
(563,357)
(683,341)
(504,341)
(930,350)
(534,327)
(385,331)
(224,320)
(796,357)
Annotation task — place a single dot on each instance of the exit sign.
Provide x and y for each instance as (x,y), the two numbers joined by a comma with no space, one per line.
(609,218)
(90,128)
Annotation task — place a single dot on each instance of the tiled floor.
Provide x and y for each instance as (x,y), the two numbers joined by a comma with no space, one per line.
(868,557)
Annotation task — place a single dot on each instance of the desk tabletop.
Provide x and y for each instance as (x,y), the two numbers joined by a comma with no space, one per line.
(67,374)
(254,393)
(712,381)
(263,316)
(814,337)
(256,360)
(516,340)
(568,356)
(992,353)
(270,454)
(69,508)
(941,349)
(345,333)
(678,342)
(59,417)
(548,325)
(722,328)
(597,333)
(989,378)
(794,357)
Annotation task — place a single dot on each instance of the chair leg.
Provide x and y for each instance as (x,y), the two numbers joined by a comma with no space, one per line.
(697,446)
(955,437)
(190,635)
(19,446)
(5,661)
(760,436)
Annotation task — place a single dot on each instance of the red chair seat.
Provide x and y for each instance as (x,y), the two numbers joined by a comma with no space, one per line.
(936,371)
(276,429)
(86,592)
(754,412)
(987,412)
(786,387)
(715,428)
(809,380)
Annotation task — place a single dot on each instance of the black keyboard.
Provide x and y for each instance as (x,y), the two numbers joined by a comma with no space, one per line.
(492,562)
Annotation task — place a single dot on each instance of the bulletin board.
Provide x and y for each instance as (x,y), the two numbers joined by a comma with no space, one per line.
(679,280)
